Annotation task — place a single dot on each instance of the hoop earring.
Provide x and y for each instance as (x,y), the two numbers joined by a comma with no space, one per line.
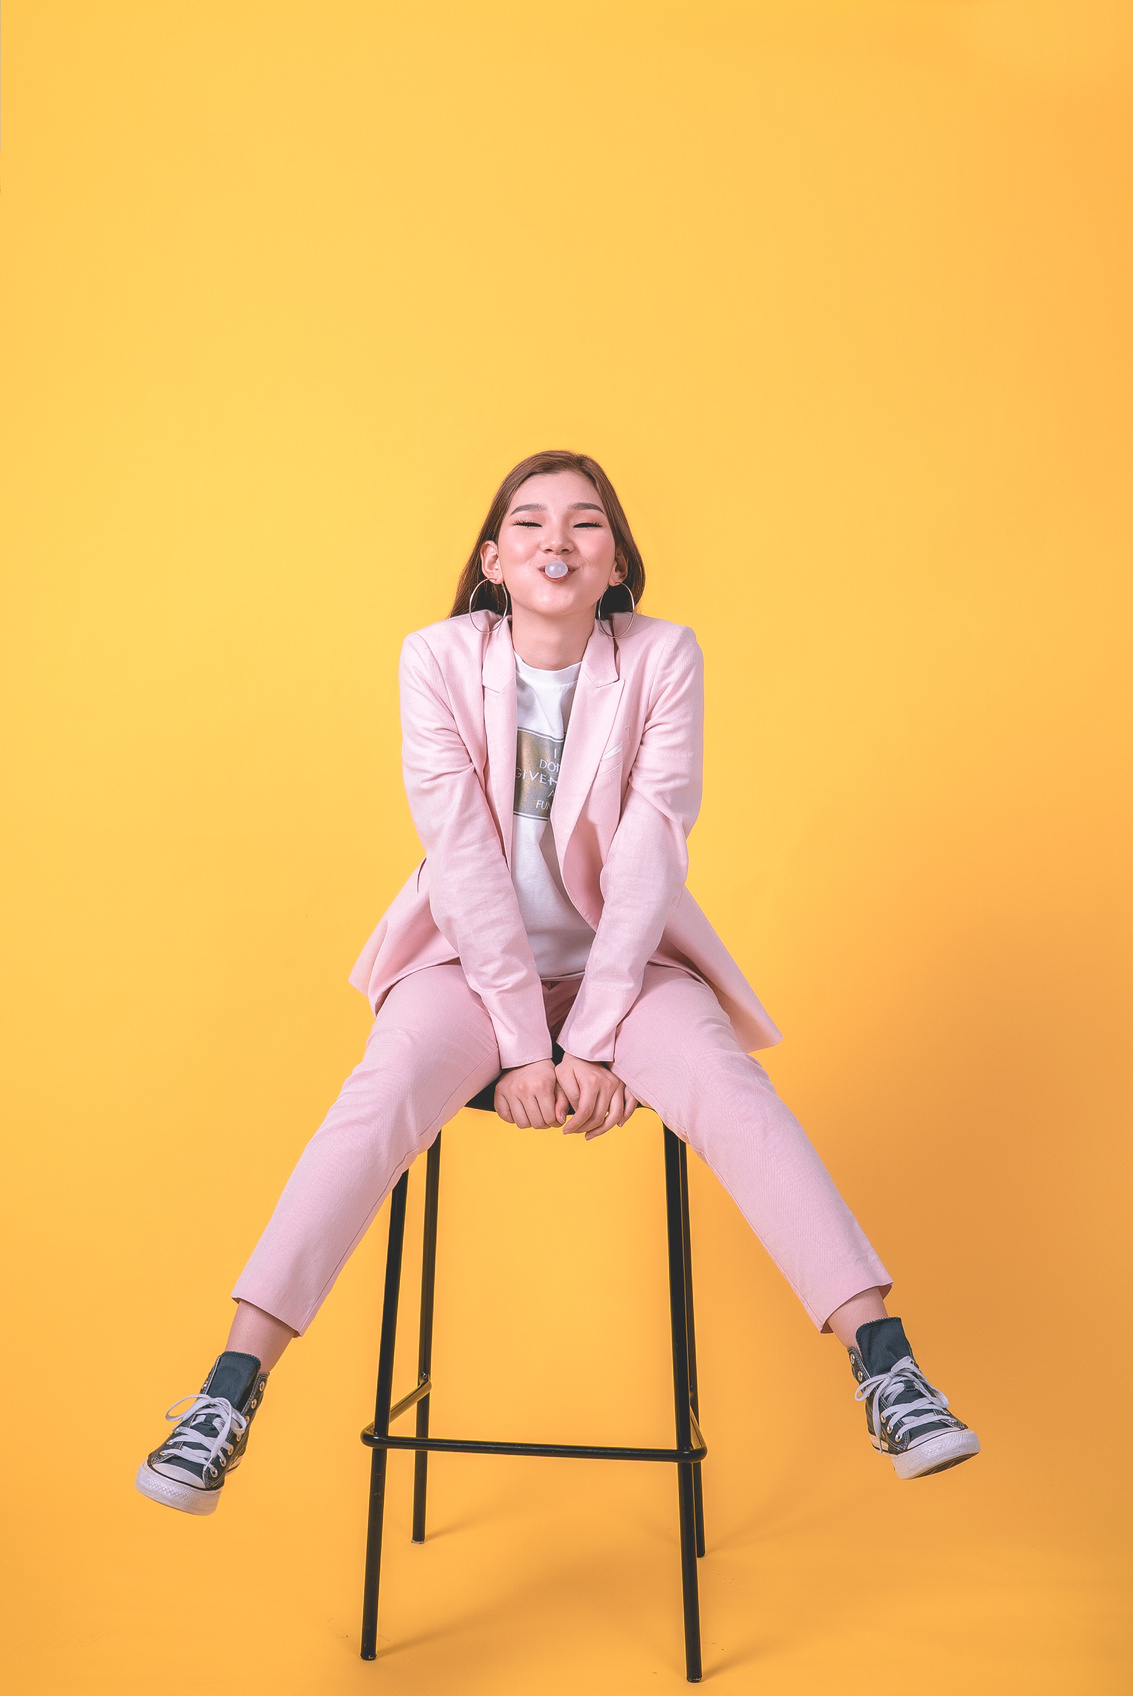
(632,609)
(495,587)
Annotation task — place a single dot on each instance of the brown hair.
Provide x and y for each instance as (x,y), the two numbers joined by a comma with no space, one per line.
(536,464)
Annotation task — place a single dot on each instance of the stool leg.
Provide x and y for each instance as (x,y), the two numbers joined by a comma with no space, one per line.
(694,1398)
(425,1344)
(685,1486)
(378,1457)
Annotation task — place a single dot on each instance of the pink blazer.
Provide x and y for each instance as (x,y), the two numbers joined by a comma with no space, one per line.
(628,794)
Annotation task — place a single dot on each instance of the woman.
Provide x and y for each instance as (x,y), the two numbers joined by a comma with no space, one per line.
(551,904)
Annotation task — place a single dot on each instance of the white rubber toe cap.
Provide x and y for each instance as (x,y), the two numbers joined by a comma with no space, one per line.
(939,1453)
(173,1495)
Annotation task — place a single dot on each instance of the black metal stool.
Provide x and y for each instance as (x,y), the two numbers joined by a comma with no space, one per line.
(688,1454)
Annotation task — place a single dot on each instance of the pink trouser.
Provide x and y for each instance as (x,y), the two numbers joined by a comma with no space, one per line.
(432,1048)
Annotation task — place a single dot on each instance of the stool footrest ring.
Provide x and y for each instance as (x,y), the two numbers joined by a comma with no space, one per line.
(561,1451)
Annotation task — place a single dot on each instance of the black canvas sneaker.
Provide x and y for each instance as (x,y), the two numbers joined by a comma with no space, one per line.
(211,1434)
(907,1419)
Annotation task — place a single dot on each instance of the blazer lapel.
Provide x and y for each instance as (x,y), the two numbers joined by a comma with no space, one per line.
(498,676)
(596,699)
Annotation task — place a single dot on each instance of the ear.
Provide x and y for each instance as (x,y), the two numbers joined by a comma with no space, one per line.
(490,562)
(621,569)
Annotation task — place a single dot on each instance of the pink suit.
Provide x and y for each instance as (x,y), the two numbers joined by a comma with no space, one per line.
(452,980)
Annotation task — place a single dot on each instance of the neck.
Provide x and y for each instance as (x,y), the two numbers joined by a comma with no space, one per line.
(550,644)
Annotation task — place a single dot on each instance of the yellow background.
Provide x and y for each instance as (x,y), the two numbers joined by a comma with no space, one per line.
(840,294)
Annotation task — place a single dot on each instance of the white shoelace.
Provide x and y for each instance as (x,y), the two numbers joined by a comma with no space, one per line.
(198,1445)
(884,1387)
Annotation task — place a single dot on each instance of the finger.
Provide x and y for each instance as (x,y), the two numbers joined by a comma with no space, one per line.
(576,1125)
(538,1102)
(586,1103)
(613,1113)
(568,1083)
(548,1102)
(577,1122)
(502,1107)
(562,1104)
(611,1098)
(581,1123)
(628,1101)
(519,1113)
(631,1107)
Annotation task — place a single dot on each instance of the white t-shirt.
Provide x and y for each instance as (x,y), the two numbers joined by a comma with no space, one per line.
(560,937)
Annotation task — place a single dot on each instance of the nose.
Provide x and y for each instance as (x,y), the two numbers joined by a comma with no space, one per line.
(556,537)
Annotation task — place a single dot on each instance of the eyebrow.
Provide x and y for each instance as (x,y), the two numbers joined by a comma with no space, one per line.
(575,506)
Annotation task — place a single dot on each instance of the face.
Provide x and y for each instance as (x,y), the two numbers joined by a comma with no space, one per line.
(554,517)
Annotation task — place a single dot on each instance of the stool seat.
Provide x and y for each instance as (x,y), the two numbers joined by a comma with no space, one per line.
(689,1449)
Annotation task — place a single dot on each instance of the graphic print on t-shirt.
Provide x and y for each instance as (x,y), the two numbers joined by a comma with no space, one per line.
(537,761)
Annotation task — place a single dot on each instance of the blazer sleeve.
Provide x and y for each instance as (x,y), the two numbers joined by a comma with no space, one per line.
(471,893)
(647,862)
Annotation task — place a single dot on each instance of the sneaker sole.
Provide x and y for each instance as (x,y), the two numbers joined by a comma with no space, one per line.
(937,1455)
(173,1495)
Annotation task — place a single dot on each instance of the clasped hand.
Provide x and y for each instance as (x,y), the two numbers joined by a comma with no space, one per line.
(537,1096)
